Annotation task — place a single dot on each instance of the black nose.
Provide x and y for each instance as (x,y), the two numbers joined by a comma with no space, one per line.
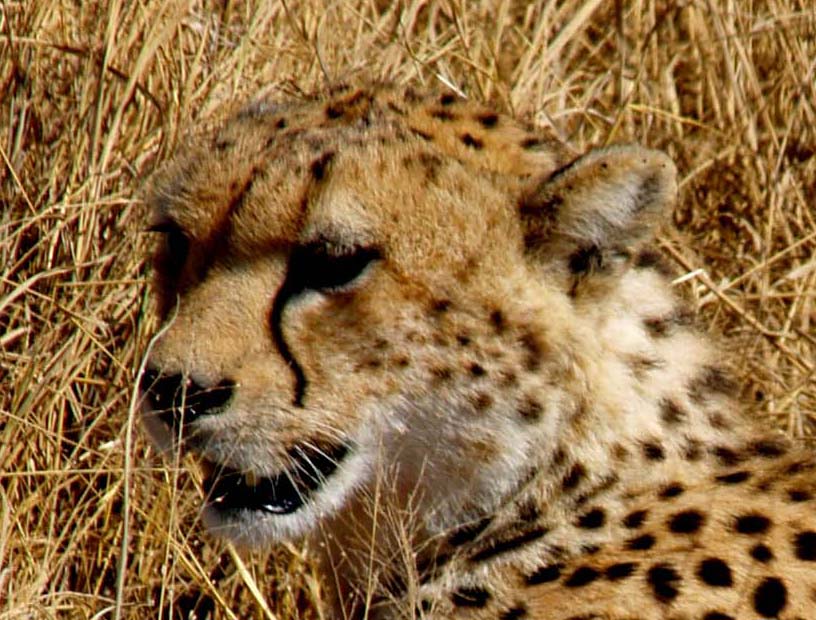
(178,400)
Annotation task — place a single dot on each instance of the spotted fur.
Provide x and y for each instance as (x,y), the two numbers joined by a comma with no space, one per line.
(431,338)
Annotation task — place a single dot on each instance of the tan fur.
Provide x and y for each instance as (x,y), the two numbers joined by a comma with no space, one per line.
(460,329)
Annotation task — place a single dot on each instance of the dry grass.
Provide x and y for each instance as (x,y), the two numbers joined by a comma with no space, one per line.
(95,94)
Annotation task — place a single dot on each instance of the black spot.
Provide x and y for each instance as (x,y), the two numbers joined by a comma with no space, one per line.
(574,476)
(660,327)
(619,571)
(715,572)
(718,420)
(799,467)
(752,524)
(319,165)
(693,451)
(635,519)
(686,522)
(671,413)
(425,605)
(764,485)
(422,134)
(653,451)
(443,115)
(545,574)
(805,546)
(488,119)
(514,613)
(498,321)
(716,615)
(477,370)
(727,456)
(641,364)
(589,549)
(761,553)
(711,380)
(482,401)
(582,576)
(664,581)
(463,340)
(768,448)
(799,495)
(532,143)
(530,409)
(591,520)
(447,99)
(468,532)
(470,597)
(734,478)
(620,452)
(657,326)
(497,547)
(472,141)
(431,164)
(584,260)
(412,95)
(649,258)
(770,597)
(675,489)
(280,123)
(442,374)
(534,350)
(334,110)
(641,543)
(396,109)
(440,306)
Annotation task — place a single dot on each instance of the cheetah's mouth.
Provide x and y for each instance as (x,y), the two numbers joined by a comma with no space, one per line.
(230,490)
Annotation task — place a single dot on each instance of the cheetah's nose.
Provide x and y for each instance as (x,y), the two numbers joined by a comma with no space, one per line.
(177,400)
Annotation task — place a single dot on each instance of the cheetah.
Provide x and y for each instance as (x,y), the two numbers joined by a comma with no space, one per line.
(439,344)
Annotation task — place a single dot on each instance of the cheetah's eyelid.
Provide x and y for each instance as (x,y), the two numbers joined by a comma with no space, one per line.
(165,227)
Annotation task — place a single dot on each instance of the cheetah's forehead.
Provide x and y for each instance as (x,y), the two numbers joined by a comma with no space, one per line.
(263,165)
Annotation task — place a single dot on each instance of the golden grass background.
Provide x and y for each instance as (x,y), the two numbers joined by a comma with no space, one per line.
(96,94)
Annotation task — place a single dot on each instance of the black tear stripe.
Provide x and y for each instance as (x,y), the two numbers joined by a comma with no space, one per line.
(290,288)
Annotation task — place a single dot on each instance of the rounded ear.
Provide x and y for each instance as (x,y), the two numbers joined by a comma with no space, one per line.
(609,200)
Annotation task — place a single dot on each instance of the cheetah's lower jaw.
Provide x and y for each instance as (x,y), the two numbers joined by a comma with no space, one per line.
(229,490)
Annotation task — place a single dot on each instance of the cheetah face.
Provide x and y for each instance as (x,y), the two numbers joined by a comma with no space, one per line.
(301,357)
(346,301)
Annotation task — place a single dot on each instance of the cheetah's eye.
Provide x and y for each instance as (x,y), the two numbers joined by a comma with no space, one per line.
(322,267)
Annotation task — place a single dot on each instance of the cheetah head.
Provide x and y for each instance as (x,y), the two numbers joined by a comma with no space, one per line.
(343,298)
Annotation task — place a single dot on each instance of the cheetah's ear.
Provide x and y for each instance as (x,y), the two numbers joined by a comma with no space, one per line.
(605,203)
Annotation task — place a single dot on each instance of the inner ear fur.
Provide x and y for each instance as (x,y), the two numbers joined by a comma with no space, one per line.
(607,202)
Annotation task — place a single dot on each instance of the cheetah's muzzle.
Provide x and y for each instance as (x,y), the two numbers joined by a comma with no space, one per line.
(229,490)
(178,403)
